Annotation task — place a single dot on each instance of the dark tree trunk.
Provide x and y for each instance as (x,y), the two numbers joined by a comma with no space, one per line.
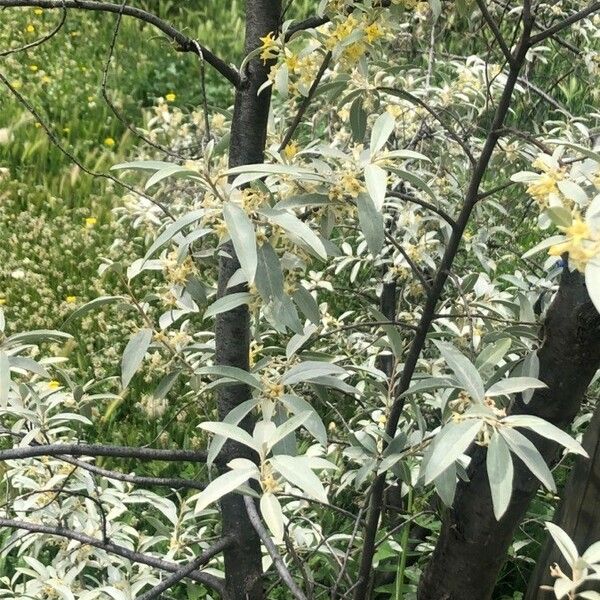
(578,513)
(243,569)
(472,545)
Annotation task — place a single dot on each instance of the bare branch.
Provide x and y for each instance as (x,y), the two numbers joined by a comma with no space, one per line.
(497,33)
(438,211)
(40,40)
(306,102)
(170,482)
(286,576)
(185,44)
(56,142)
(168,583)
(144,559)
(100,450)
(574,18)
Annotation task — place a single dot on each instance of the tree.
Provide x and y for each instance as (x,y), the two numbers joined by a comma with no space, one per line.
(277,213)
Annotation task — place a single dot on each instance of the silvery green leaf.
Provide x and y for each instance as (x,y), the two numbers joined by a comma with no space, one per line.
(382,129)
(231,432)
(564,543)
(171,171)
(298,231)
(491,355)
(288,427)
(463,369)
(313,423)
(513,385)
(243,236)
(592,281)
(227,303)
(269,276)
(592,554)
(376,182)
(415,181)
(544,245)
(307,304)
(144,165)
(232,418)
(298,340)
(500,474)
(134,353)
(234,373)
(333,382)
(299,474)
(428,384)
(529,454)
(271,512)
(547,430)
(91,305)
(436,9)
(173,229)
(358,120)
(226,483)
(310,369)
(2,321)
(530,368)
(445,485)
(449,444)
(392,332)
(371,223)
(38,335)
(4,379)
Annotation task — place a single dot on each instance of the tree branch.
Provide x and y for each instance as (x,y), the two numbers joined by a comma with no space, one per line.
(425,204)
(286,576)
(168,583)
(185,44)
(144,559)
(497,34)
(574,18)
(100,450)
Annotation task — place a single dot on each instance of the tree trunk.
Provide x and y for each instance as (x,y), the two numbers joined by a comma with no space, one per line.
(472,545)
(243,568)
(578,513)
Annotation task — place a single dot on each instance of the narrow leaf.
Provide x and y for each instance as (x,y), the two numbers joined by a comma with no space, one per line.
(134,353)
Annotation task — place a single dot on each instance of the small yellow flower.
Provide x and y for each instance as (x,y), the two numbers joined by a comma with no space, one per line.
(46,79)
(17,84)
(54,384)
(110,142)
(291,150)
(38,11)
(30,28)
(171,97)
(269,48)
(71,299)
(373,32)
(90,222)
(33,68)
(2,300)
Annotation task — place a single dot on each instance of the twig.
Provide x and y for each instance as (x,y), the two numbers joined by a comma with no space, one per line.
(101,450)
(574,18)
(438,211)
(137,557)
(185,44)
(283,571)
(185,571)
(41,40)
(170,482)
(56,142)
(497,34)
(305,102)
(411,263)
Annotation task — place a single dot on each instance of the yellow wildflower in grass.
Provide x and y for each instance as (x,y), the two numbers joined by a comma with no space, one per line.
(46,80)
(291,150)
(71,299)
(38,11)
(54,384)
(30,28)
(110,142)
(90,222)
(2,300)
(171,97)
(269,49)
(33,68)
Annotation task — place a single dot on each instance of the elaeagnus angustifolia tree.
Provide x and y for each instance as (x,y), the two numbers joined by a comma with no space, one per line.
(373,283)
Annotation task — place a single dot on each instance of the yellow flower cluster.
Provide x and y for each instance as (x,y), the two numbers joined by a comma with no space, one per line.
(347,184)
(582,244)
(541,189)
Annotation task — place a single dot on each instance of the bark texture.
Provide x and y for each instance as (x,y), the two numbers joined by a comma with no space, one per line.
(243,567)
(578,513)
(472,545)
